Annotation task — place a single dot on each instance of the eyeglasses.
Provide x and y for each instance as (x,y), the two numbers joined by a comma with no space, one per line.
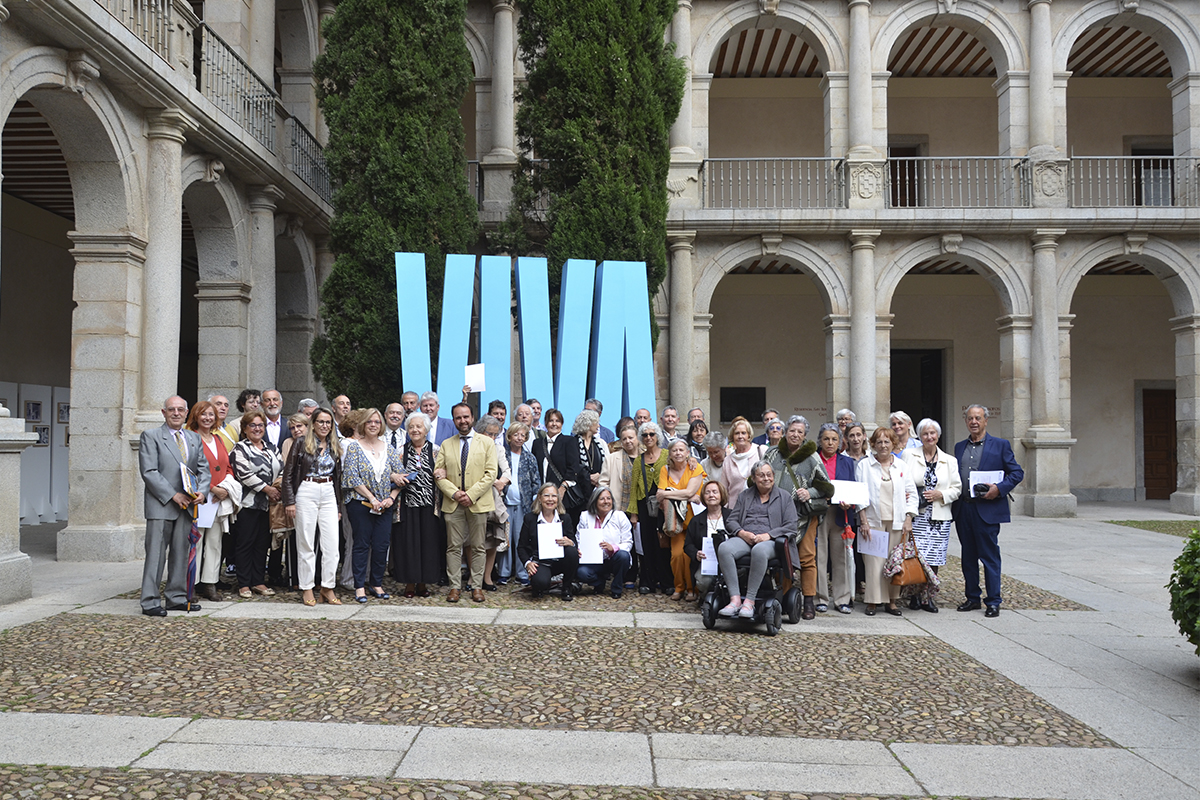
(254,426)
(648,435)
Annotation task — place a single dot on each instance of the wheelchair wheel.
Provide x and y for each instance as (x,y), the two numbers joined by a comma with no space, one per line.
(773,616)
(791,605)
(708,611)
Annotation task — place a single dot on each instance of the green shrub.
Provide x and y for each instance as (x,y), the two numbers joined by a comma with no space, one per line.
(1185,590)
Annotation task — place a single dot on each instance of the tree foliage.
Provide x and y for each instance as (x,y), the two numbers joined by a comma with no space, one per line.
(593,130)
(1185,591)
(390,83)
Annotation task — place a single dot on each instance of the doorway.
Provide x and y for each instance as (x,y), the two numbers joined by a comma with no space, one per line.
(917,384)
(1158,443)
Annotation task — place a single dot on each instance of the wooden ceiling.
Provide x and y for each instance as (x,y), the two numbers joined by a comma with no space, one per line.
(946,265)
(941,52)
(766,54)
(1117,52)
(32,163)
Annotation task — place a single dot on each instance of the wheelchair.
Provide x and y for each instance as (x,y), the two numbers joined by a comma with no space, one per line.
(777,600)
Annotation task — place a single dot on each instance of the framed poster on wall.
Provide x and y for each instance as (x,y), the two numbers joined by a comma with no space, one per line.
(33,410)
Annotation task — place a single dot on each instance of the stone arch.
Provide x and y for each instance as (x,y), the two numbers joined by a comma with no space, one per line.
(1166,260)
(737,16)
(481,55)
(1173,31)
(980,19)
(995,266)
(295,309)
(817,265)
(96,143)
(296,27)
(219,219)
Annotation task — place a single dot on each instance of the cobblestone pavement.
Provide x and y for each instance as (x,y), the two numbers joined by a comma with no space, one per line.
(36,783)
(872,688)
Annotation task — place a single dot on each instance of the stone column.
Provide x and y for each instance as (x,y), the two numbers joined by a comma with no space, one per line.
(1049,168)
(862,323)
(325,10)
(702,364)
(1185,116)
(1186,498)
(1012,97)
(837,357)
(1047,444)
(262,40)
(1015,416)
(223,342)
(263,200)
(683,180)
(859,112)
(683,310)
(164,251)
(497,164)
(16,568)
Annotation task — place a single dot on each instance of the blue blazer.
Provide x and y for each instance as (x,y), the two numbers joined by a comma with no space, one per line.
(997,455)
(443,429)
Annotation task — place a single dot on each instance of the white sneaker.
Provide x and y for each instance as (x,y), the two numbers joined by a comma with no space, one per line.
(747,611)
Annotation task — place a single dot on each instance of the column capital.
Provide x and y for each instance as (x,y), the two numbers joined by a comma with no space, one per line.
(681,240)
(1029,4)
(836,322)
(1188,323)
(1014,322)
(499,6)
(107,247)
(326,9)
(685,5)
(223,290)
(852,4)
(863,239)
(170,124)
(1047,238)
(265,198)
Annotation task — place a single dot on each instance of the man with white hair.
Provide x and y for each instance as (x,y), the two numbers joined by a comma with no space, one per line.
(442,428)
(224,428)
(307,407)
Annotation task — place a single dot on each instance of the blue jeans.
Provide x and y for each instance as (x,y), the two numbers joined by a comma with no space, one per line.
(508,558)
(615,565)
(980,542)
(372,536)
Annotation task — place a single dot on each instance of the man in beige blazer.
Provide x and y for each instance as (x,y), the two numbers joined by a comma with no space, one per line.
(466,498)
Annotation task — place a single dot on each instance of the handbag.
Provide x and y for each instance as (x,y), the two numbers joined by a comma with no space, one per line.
(651,506)
(905,562)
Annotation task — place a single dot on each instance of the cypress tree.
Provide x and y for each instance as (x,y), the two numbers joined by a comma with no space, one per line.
(601,94)
(390,83)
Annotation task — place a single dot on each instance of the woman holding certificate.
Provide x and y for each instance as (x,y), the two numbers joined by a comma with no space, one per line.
(609,532)
(887,518)
(939,483)
(547,544)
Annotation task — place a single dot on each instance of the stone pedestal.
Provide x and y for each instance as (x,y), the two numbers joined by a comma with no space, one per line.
(16,569)
(1047,467)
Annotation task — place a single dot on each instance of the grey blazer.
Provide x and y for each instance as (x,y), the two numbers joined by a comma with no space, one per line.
(158,460)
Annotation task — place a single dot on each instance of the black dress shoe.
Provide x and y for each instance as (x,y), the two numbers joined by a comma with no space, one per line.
(930,607)
(895,612)
(616,594)
(490,587)
(644,590)
(183,607)
(157,611)
(567,597)
(969,605)
(913,604)
(992,611)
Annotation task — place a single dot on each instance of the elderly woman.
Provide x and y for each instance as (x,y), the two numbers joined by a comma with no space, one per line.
(203,419)
(762,515)
(713,522)
(653,568)
(774,432)
(831,547)
(844,418)
(371,494)
(545,509)
(518,496)
(617,471)
(312,498)
(856,441)
(902,426)
(422,541)
(616,542)
(256,465)
(799,473)
(679,481)
(697,430)
(939,484)
(890,513)
(735,471)
(578,459)
(715,448)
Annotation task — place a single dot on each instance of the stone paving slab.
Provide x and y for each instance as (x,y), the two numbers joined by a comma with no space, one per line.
(77,740)
(290,611)
(450,614)
(296,734)
(1069,773)
(591,619)
(589,757)
(240,758)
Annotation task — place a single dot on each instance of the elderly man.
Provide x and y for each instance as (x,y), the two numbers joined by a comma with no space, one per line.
(393,420)
(982,507)
(759,519)
(536,406)
(606,435)
(341,407)
(668,421)
(641,417)
(168,503)
(307,406)
(411,401)
(224,428)
(468,463)
(442,428)
(694,414)
(767,416)
(277,427)
(524,414)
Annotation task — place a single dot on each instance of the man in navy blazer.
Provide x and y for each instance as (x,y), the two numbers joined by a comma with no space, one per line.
(442,428)
(978,518)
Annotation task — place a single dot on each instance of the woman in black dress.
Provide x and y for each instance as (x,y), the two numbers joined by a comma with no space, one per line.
(422,539)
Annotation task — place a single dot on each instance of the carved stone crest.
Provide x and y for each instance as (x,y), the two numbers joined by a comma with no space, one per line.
(951,242)
(1134,242)
(1049,179)
(1127,5)
(677,186)
(771,242)
(770,7)
(948,6)
(214,168)
(866,179)
(81,70)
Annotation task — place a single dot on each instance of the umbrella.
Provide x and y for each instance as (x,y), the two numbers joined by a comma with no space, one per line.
(193,539)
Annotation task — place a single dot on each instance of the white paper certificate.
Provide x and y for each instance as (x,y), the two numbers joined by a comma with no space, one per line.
(850,492)
(548,532)
(474,377)
(708,564)
(206,513)
(876,546)
(984,476)
(589,547)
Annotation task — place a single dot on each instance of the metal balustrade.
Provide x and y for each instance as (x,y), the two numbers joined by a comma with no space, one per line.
(1134,181)
(307,159)
(773,183)
(227,80)
(957,182)
(149,20)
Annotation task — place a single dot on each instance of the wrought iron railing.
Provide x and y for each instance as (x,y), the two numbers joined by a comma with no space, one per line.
(1134,181)
(773,183)
(149,20)
(307,159)
(227,80)
(475,181)
(957,182)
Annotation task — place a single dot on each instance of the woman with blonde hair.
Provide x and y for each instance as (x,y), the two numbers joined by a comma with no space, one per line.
(679,481)
(203,420)
(743,455)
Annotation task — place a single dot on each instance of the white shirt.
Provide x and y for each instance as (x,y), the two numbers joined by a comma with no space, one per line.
(273,429)
(615,530)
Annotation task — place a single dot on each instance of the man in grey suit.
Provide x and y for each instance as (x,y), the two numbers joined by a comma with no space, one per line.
(168,516)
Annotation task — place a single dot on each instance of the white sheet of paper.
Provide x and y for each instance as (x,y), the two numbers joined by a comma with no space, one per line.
(474,377)
(983,476)
(697,509)
(206,513)
(708,564)
(851,492)
(876,546)
(547,533)
(589,547)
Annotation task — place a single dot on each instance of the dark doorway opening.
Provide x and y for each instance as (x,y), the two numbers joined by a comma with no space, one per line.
(1158,443)
(917,386)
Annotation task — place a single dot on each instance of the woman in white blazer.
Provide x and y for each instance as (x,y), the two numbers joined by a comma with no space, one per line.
(892,508)
(939,484)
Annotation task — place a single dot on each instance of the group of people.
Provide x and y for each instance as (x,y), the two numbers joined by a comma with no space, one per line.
(343,495)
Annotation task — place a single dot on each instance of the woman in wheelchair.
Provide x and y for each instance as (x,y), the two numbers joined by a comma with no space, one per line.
(761,516)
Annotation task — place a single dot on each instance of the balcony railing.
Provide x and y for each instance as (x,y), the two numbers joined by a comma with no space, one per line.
(227,80)
(957,182)
(1134,181)
(149,20)
(307,159)
(475,182)
(773,183)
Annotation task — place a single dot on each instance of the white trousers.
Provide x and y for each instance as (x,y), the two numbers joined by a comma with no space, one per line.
(317,510)
(208,553)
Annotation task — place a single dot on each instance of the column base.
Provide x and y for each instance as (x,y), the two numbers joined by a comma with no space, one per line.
(1186,503)
(16,577)
(1047,466)
(102,543)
